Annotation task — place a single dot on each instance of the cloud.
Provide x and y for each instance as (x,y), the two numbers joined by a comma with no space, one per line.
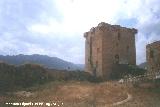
(148,26)
(56,27)
(144,16)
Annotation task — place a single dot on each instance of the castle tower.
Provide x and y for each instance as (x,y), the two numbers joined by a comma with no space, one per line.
(106,45)
(153,56)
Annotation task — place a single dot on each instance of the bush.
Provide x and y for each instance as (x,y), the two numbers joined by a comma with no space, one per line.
(122,70)
(24,76)
(21,76)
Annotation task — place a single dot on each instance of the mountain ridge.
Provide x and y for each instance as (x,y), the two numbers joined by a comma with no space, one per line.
(44,60)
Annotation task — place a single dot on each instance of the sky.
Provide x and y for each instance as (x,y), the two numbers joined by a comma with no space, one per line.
(56,27)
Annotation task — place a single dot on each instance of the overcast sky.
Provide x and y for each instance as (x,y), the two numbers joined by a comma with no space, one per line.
(56,27)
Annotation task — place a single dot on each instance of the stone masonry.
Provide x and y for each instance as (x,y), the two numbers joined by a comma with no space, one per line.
(153,56)
(106,45)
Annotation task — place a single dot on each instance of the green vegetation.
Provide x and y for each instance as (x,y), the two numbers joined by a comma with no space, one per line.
(71,87)
(63,75)
(13,77)
(24,76)
(28,75)
(122,70)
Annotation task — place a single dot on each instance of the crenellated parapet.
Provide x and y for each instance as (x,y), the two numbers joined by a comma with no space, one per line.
(102,27)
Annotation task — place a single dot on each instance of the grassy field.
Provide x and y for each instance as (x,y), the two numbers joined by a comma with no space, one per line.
(85,94)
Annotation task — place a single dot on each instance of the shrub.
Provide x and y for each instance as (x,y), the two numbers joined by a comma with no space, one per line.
(122,70)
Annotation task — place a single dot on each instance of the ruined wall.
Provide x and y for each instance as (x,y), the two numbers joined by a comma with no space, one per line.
(93,52)
(153,56)
(111,44)
(118,47)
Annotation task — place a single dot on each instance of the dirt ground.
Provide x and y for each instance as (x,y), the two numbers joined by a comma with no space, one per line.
(83,94)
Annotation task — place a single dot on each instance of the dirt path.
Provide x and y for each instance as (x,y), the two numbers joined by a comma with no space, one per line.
(123,101)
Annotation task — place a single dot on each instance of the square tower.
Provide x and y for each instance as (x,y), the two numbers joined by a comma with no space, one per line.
(107,45)
(153,56)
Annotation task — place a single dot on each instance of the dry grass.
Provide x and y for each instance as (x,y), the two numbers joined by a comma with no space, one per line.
(85,94)
(143,97)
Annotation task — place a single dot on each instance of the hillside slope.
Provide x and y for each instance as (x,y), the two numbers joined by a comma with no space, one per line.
(44,60)
(143,65)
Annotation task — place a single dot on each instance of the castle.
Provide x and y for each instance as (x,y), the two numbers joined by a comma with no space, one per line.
(153,56)
(107,45)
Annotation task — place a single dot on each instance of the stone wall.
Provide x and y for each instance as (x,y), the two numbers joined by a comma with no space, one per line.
(93,52)
(153,56)
(107,45)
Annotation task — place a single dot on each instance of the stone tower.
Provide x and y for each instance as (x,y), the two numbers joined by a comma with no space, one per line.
(106,45)
(153,56)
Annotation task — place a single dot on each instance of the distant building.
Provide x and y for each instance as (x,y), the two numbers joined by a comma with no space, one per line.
(106,45)
(153,56)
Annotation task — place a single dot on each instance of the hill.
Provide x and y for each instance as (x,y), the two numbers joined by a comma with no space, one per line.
(143,65)
(44,60)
